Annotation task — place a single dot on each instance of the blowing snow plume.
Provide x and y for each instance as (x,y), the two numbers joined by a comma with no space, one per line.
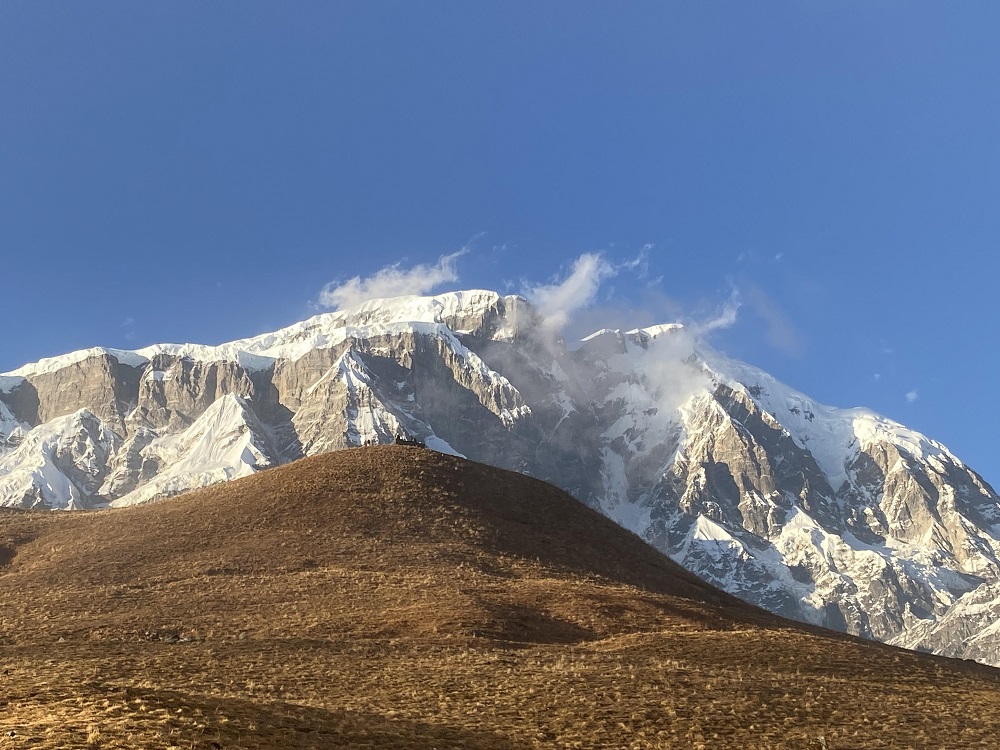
(673,370)
(391,281)
(674,365)
(669,363)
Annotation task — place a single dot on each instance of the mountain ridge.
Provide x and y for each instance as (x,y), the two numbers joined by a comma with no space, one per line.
(841,518)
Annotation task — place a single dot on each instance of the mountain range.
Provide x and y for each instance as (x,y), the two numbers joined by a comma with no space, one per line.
(835,517)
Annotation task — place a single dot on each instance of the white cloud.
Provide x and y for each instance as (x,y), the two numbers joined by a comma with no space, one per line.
(556,302)
(912,396)
(724,318)
(669,368)
(391,281)
(128,327)
(640,263)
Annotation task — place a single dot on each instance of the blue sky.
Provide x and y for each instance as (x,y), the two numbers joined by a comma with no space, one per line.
(192,172)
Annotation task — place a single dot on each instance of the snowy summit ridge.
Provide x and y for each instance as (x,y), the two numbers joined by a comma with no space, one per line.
(461,312)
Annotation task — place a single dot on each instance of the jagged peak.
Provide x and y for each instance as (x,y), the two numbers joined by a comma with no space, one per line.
(73,420)
(647,332)
(826,431)
(228,407)
(652,332)
(612,332)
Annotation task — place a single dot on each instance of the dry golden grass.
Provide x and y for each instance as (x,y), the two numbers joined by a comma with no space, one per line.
(396,598)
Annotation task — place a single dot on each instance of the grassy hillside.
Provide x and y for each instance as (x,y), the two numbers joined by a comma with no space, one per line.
(394,597)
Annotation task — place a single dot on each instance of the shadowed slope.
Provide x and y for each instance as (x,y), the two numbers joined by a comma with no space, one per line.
(396,597)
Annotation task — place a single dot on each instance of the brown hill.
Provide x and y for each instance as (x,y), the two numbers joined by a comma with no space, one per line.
(395,597)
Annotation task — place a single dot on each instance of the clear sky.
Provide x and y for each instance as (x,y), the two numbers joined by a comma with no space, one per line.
(199,171)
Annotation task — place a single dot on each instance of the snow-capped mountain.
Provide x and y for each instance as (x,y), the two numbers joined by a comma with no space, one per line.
(838,517)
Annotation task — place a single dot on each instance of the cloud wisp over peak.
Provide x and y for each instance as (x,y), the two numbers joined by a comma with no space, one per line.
(556,302)
(391,281)
(725,318)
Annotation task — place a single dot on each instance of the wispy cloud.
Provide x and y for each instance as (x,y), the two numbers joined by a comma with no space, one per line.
(557,301)
(912,396)
(725,317)
(780,331)
(573,295)
(640,263)
(128,328)
(391,281)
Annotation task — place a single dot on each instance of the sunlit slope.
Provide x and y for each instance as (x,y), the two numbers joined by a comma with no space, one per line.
(395,597)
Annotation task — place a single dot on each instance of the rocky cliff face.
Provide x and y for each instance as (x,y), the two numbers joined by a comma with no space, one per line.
(837,517)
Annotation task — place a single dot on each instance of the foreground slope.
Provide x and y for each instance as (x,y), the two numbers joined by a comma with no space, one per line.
(396,597)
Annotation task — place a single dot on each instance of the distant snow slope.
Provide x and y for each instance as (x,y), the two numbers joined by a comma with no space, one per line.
(60,464)
(226,442)
(11,430)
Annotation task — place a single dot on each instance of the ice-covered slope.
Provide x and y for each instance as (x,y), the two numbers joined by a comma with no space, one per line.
(12,432)
(226,442)
(839,517)
(58,465)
